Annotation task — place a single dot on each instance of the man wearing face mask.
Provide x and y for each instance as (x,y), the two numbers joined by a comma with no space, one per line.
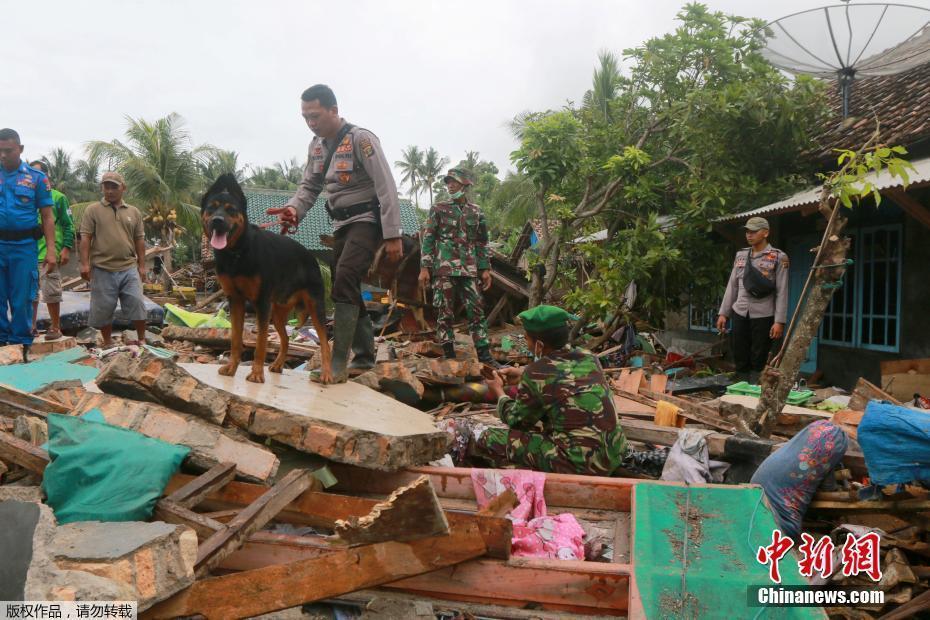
(563,417)
(454,256)
(348,163)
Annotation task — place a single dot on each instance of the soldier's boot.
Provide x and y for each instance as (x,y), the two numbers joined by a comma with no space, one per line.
(345,317)
(26,348)
(485,357)
(363,345)
(448,350)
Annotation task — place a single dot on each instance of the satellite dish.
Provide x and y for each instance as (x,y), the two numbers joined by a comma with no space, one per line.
(847,41)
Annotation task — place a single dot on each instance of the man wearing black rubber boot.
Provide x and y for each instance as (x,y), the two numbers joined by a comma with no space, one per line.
(347,162)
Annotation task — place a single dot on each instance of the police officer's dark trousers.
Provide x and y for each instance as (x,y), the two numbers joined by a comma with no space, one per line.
(354,250)
(751,343)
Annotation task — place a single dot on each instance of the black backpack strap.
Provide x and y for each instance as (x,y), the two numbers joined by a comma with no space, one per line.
(332,150)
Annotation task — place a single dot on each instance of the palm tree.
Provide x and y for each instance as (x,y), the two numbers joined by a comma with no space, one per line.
(471,161)
(605,84)
(218,163)
(410,164)
(162,172)
(431,169)
(268,177)
(60,171)
(292,171)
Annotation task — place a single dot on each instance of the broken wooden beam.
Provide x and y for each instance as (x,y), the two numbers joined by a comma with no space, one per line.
(172,512)
(272,588)
(865,392)
(22,453)
(194,491)
(251,519)
(693,411)
(14,403)
(221,338)
(409,513)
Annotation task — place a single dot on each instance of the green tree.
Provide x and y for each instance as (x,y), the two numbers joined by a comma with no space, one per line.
(269,177)
(432,170)
(218,163)
(605,84)
(291,170)
(701,126)
(410,165)
(162,172)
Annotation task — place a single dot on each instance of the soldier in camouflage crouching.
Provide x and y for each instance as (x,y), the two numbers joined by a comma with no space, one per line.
(563,418)
(454,255)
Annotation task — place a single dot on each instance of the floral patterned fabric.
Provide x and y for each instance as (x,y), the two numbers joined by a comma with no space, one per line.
(791,475)
(535,534)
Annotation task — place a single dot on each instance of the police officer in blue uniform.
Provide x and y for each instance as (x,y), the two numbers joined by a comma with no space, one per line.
(23,191)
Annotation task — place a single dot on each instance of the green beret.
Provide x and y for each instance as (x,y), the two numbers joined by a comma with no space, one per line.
(543,318)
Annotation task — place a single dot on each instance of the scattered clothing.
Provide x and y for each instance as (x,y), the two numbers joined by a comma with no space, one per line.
(689,460)
(896,443)
(791,475)
(535,533)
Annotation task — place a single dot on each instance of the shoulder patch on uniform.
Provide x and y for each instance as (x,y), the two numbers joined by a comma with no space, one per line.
(48,185)
(367,148)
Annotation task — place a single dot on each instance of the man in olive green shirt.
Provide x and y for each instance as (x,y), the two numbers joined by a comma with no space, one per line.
(113,258)
(50,283)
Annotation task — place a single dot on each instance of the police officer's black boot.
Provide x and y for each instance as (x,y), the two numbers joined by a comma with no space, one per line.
(26,348)
(448,350)
(344,320)
(363,344)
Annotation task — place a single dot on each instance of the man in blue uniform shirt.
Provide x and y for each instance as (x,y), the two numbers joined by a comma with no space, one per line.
(23,191)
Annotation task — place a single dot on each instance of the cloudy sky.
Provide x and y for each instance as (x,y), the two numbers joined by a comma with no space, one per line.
(442,74)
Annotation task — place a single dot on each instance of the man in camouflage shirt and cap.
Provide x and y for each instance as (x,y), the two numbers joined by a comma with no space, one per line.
(563,417)
(454,255)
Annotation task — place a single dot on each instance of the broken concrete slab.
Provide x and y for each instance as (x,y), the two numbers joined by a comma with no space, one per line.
(11,354)
(19,524)
(20,494)
(41,346)
(161,381)
(348,423)
(210,444)
(409,513)
(33,430)
(155,560)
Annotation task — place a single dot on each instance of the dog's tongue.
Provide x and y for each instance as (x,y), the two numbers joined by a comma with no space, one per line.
(218,240)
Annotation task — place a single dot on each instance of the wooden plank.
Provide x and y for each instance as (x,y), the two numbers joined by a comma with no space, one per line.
(498,307)
(658,382)
(904,378)
(909,205)
(694,411)
(631,380)
(409,513)
(622,542)
(595,585)
(14,403)
(172,512)
(272,588)
(751,402)
(22,453)
(501,505)
(194,491)
(251,519)
(905,505)
(563,491)
(909,609)
(865,392)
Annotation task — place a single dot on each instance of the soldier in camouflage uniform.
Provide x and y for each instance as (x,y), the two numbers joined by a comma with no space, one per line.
(563,418)
(454,255)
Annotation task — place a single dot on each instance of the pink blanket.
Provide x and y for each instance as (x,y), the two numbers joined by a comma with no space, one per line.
(535,534)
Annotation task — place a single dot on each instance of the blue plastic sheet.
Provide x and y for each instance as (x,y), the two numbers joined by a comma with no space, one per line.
(896,443)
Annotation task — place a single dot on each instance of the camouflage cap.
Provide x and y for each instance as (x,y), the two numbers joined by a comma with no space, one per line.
(756,223)
(112,176)
(458,174)
(543,318)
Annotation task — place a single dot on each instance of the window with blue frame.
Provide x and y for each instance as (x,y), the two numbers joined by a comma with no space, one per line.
(702,313)
(866,311)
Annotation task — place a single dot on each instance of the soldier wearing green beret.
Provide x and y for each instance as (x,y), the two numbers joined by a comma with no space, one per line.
(563,418)
(453,257)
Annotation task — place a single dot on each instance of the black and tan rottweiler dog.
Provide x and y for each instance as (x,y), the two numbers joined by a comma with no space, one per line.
(273,272)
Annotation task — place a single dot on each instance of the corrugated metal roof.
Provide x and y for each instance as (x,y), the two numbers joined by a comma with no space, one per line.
(884,180)
(317,221)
